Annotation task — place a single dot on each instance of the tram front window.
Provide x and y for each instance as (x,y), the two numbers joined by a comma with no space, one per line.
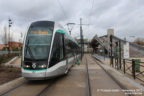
(38,42)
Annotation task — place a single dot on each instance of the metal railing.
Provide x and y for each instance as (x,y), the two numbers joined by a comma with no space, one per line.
(129,66)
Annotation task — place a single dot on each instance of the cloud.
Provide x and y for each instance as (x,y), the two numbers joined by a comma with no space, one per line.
(125,16)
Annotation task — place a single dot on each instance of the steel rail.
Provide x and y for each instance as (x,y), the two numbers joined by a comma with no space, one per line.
(88,87)
(11,89)
(41,93)
(113,78)
(45,90)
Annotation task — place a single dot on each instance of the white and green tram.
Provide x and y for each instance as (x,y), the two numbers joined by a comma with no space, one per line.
(48,51)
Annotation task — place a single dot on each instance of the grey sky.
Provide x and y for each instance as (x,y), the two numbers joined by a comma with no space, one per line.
(125,16)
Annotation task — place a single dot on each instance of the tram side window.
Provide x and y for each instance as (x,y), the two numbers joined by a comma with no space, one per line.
(57,51)
(68,49)
(75,48)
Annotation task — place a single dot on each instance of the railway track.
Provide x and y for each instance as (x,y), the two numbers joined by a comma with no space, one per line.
(29,83)
(114,79)
(45,90)
(11,89)
(88,87)
(92,69)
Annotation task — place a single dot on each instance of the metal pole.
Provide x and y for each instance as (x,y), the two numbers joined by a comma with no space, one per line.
(10,24)
(70,27)
(133,68)
(111,50)
(116,56)
(124,65)
(9,37)
(120,54)
(104,54)
(81,37)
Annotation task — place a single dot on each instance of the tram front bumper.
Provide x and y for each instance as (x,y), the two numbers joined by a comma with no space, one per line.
(33,74)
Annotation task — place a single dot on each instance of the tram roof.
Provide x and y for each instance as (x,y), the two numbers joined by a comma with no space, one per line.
(64,32)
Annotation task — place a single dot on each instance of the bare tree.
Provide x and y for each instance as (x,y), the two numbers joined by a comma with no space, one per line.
(3,40)
(139,41)
(5,35)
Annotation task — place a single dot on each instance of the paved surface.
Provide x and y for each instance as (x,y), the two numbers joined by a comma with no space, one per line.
(17,61)
(71,85)
(29,89)
(128,65)
(74,84)
(101,83)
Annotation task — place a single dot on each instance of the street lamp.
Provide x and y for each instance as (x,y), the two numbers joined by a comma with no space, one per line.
(70,27)
(10,24)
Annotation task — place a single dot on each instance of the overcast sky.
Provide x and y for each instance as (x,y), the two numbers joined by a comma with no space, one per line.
(125,16)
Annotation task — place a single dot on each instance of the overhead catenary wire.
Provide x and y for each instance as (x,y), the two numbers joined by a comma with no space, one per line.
(63,11)
(91,10)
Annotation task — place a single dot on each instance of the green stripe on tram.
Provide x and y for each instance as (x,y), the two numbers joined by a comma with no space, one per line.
(35,70)
(63,32)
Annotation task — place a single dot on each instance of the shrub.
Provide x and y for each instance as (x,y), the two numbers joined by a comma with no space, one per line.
(6,57)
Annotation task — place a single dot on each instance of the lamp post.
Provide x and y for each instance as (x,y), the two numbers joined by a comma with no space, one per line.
(70,27)
(9,37)
(10,24)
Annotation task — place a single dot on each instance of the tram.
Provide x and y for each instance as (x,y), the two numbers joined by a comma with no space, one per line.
(48,51)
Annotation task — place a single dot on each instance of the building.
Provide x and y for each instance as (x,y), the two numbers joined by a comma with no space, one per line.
(15,44)
(12,44)
(2,46)
(86,44)
(135,50)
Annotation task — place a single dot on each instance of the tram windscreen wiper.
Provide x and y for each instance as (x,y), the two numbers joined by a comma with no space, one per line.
(29,50)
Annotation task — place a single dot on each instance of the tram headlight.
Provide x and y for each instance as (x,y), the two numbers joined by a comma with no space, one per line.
(26,66)
(42,66)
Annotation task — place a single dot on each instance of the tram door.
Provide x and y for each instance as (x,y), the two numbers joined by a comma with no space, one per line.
(57,54)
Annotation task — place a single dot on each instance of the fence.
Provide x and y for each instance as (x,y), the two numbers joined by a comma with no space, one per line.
(132,67)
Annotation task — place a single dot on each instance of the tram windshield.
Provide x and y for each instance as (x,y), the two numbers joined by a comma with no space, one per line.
(38,42)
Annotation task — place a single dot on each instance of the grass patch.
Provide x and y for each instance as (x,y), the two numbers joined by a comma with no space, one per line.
(5,57)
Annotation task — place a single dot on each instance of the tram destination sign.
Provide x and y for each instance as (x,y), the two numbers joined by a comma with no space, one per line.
(39,32)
